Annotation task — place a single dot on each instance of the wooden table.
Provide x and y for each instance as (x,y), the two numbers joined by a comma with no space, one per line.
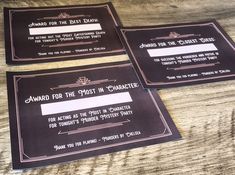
(204,114)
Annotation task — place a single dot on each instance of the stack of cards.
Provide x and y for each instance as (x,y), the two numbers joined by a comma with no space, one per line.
(71,113)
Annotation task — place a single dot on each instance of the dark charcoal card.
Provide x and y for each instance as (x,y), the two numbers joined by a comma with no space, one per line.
(180,54)
(60,33)
(67,114)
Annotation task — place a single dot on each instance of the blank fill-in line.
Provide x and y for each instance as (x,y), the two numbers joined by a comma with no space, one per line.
(85,103)
(181,50)
(64,29)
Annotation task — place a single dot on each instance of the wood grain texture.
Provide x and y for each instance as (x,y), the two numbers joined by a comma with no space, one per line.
(204,114)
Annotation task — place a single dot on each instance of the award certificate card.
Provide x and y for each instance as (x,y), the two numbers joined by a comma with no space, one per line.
(180,54)
(46,34)
(67,114)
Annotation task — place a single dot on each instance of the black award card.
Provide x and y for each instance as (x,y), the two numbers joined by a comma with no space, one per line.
(46,34)
(71,113)
(180,54)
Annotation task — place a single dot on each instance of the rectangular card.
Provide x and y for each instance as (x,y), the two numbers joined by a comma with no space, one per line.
(71,113)
(180,54)
(45,34)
